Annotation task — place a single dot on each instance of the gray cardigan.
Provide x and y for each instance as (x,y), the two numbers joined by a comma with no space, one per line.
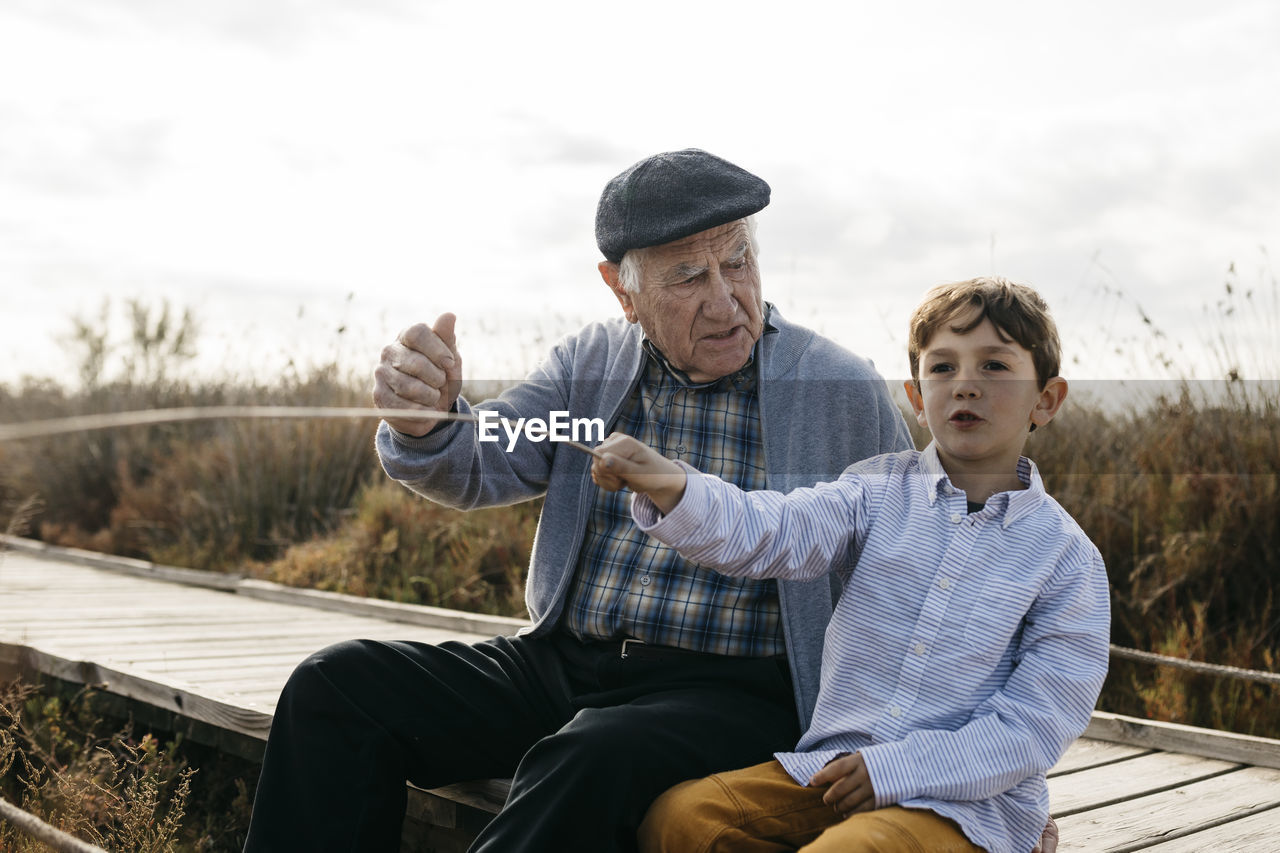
(822,408)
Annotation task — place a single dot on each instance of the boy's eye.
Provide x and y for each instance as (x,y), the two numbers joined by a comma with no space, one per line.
(995,365)
(939,368)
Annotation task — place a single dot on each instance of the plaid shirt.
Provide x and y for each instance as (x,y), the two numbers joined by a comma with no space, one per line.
(630,585)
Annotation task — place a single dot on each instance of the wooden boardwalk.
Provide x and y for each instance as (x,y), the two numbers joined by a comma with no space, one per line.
(209,654)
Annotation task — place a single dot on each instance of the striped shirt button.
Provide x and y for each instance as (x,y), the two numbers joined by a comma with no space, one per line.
(895,711)
(918,649)
(944,583)
(956,519)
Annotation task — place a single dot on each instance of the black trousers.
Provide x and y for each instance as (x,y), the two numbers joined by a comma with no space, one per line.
(590,738)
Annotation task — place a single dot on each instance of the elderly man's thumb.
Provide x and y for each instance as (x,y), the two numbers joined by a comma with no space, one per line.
(444,330)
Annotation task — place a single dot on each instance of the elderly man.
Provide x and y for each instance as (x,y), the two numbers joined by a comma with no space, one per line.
(640,670)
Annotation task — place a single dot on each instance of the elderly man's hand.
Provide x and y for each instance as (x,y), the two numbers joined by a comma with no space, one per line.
(421,371)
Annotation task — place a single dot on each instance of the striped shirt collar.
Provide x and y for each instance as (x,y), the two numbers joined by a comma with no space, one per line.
(1012,505)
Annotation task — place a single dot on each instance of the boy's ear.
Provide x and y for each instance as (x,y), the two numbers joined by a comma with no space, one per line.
(1051,398)
(917,402)
(609,272)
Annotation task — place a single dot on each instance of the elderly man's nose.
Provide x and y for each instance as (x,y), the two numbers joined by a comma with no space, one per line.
(720,300)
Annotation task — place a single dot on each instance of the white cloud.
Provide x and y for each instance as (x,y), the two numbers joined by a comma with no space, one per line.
(448,155)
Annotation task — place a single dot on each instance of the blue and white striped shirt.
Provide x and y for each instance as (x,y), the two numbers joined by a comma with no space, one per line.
(967,649)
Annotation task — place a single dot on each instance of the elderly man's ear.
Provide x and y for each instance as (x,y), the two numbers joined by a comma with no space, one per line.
(609,272)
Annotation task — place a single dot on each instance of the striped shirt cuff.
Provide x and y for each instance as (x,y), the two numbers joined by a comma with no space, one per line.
(688,516)
(891,771)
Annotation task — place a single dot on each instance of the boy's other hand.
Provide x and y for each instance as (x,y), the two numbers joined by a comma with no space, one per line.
(1048,838)
(850,790)
(623,461)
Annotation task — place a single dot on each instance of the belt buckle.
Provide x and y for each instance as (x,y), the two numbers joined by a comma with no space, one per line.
(631,641)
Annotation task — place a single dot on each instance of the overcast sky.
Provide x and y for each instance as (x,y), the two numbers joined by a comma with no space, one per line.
(286,169)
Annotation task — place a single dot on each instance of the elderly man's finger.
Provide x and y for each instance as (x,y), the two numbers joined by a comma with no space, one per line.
(395,389)
(431,367)
(425,341)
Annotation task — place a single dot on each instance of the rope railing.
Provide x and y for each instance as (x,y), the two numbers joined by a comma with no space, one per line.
(43,832)
(1196,666)
(81,423)
(150,417)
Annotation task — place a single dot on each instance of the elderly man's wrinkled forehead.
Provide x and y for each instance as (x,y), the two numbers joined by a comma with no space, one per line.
(724,242)
(689,256)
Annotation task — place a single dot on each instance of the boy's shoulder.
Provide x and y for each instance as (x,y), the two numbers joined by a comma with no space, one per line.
(899,462)
(1064,535)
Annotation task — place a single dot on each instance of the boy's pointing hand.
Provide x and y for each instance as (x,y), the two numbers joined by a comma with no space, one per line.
(623,461)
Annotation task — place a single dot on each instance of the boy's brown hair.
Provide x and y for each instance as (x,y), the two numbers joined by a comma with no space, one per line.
(1017,311)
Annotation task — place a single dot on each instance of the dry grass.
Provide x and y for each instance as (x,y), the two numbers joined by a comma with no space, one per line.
(1179,488)
(114,791)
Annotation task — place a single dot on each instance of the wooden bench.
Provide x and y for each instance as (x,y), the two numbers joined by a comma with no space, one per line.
(206,655)
(447,820)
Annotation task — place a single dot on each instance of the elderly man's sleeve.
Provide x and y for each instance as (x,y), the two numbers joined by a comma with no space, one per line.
(894,434)
(453,467)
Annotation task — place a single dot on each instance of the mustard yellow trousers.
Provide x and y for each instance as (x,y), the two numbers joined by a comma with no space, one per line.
(761,809)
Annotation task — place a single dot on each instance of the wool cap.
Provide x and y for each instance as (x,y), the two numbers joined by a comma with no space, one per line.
(673,195)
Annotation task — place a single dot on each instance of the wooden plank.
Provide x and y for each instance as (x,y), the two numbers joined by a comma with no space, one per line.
(140,568)
(167,696)
(1086,753)
(1228,746)
(414,614)
(1133,824)
(265,631)
(487,795)
(1259,832)
(25,550)
(1111,783)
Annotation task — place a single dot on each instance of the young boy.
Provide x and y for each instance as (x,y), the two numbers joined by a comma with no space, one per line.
(969,643)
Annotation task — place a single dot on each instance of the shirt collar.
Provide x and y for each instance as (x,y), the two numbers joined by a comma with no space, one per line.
(1012,505)
(736,379)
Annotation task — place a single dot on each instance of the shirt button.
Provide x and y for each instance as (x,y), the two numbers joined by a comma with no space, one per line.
(646,580)
(918,648)
(956,519)
(895,711)
(944,583)
(681,448)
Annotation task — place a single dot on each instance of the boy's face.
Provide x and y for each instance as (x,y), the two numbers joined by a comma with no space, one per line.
(978,396)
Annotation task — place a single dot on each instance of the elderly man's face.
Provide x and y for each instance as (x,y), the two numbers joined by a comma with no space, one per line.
(699,300)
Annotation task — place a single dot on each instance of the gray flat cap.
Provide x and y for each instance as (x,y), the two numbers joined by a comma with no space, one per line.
(672,195)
